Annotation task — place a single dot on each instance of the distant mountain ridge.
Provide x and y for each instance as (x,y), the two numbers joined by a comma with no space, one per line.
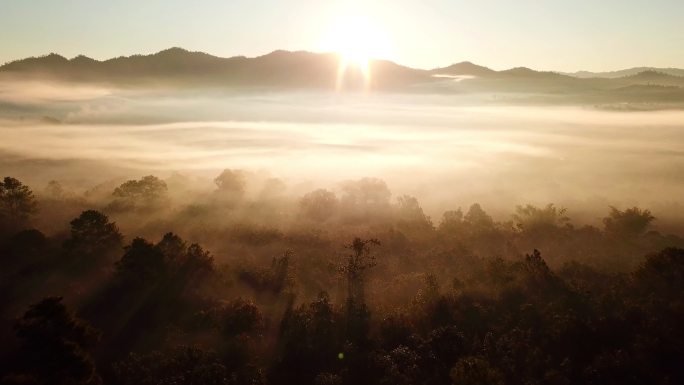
(626,72)
(465,68)
(302,69)
(178,60)
(177,65)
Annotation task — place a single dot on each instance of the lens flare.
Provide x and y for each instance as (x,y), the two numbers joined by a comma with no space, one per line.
(357,41)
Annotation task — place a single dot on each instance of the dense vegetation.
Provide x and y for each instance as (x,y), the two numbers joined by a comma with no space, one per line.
(327,288)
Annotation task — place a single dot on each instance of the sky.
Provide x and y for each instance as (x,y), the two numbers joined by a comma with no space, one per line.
(558,35)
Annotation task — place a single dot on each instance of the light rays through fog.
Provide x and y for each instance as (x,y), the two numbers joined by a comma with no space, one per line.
(314,137)
(357,40)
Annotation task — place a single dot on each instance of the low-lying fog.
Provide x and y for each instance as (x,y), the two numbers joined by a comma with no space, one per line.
(447,150)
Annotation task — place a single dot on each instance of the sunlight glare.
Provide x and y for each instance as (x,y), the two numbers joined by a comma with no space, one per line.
(357,41)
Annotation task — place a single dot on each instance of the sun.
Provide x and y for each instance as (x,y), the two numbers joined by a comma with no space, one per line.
(357,40)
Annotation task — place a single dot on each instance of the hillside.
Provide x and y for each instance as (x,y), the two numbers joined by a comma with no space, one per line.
(180,68)
(625,72)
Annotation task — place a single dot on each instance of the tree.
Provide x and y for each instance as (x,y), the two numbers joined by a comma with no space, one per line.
(366,192)
(54,346)
(452,222)
(662,274)
(538,278)
(142,262)
(629,223)
(173,247)
(365,198)
(25,249)
(319,205)
(658,285)
(400,366)
(180,365)
(410,213)
(17,202)
(231,183)
(54,190)
(198,259)
(190,259)
(475,371)
(327,379)
(482,235)
(357,263)
(238,317)
(92,232)
(532,219)
(306,343)
(477,220)
(275,280)
(144,193)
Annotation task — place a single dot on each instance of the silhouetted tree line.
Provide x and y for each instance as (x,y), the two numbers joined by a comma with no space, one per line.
(408,302)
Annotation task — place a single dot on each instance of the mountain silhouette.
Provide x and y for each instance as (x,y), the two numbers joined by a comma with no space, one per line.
(654,77)
(626,72)
(465,68)
(178,67)
(524,72)
(182,67)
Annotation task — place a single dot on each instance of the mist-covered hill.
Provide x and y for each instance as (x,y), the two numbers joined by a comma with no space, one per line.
(176,66)
(626,72)
(285,70)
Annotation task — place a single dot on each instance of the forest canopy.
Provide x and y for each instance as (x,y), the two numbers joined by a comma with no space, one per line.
(151,281)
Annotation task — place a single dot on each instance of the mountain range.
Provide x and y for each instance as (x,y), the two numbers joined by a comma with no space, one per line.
(626,72)
(177,67)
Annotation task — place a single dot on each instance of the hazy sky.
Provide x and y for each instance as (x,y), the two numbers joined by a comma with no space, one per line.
(544,34)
